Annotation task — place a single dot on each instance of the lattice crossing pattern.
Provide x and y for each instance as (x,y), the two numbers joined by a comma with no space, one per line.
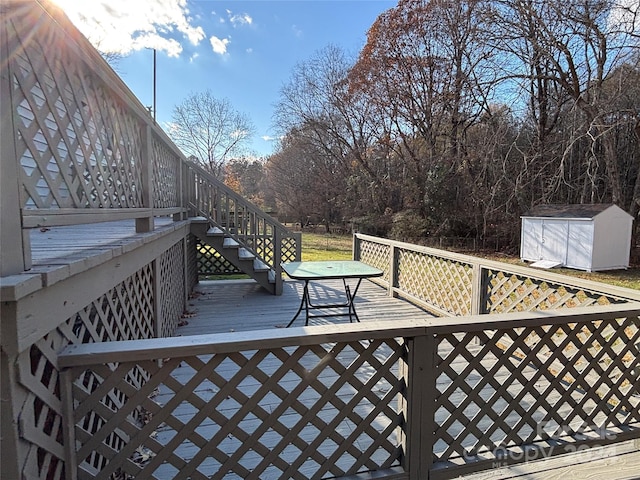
(78,146)
(508,292)
(211,262)
(166,176)
(535,389)
(377,255)
(443,283)
(301,412)
(172,289)
(123,313)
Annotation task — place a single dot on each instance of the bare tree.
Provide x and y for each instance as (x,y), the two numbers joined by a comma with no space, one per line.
(570,50)
(423,67)
(210,130)
(318,107)
(304,180)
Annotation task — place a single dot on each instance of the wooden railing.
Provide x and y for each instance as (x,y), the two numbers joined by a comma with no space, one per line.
(430,398)
(84,149)
(77,146)
(240,219)
(448,283)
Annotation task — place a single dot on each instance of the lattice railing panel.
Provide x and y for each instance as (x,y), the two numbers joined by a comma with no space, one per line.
(210,262)
(123,313)
(316,411)
(377,255)
(172,289)
(535,388)
(288,249)
(509,292)
(444,283)
(78,146)
(166,176)
(263,246)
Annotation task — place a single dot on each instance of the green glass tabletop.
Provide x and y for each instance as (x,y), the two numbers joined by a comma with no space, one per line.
(330,269)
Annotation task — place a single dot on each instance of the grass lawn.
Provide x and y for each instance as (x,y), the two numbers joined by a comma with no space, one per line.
(318,247)
(338,247)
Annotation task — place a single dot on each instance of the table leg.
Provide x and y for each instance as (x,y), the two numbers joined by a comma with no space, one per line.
(350,298)
(303,303)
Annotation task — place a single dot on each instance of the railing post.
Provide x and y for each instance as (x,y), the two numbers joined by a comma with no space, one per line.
(158,324)
(15,256)
(393,269)
(69,428)
(298,237)
(145,224)
(10,467)
(418,406)
(277,259)
(356,247)
(180,194)
(477,290)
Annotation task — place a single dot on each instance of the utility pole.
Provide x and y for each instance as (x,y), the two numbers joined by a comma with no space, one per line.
(154,86)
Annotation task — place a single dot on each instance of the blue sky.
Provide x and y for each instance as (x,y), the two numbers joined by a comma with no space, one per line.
(242,50)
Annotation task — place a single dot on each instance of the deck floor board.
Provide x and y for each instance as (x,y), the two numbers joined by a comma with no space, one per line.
(242,305)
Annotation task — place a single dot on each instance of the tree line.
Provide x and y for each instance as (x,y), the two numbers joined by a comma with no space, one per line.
(457,116)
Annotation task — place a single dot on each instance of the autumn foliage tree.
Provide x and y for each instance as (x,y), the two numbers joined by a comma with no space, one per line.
(460,115)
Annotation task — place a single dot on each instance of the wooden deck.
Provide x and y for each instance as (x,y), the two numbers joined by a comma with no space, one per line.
(241,305)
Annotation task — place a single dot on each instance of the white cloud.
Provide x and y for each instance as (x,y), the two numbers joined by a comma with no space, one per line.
(219,45)
(297,31)
(122,26)
(239,19)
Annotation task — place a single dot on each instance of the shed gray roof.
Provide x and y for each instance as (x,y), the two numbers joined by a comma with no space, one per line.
(568,210)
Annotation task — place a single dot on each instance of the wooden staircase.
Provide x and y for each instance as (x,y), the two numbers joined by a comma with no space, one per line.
(248,238)
(239,255)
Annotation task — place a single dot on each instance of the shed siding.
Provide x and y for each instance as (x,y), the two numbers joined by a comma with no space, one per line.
(530,239)
(612,241)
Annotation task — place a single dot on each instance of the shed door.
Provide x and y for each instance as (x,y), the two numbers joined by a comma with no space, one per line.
(579,254)
(554,240)
(531,239)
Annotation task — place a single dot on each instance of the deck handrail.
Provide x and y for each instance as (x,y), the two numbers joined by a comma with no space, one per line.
(407,375)
(83,147)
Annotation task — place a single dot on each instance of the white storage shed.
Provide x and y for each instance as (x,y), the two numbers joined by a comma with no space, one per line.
(585,237)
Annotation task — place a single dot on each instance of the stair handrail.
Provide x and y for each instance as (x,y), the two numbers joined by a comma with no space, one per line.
(209,208)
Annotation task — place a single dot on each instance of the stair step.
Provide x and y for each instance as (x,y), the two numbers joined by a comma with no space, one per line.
(230,243)
(260,266)
(272,276)
(215,231)
(245,254)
